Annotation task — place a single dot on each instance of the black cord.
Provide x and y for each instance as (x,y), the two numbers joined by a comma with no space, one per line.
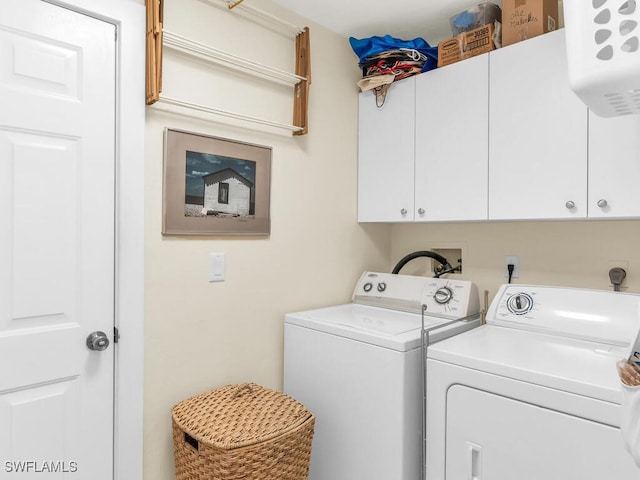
(510,268)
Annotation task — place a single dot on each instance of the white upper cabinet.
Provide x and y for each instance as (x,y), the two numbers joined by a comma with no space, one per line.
(614,166)
(451,142)
(500,137)
(386,154)
(537,133)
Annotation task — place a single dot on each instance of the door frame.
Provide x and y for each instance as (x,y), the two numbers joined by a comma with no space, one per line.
(129,17)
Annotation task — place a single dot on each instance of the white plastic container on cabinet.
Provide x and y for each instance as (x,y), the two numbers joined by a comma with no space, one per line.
(603,53)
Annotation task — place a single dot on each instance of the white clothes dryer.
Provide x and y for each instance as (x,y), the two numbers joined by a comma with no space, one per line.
(534,393)
(358,368)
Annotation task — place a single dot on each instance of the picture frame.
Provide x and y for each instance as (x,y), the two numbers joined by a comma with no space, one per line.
(215,186)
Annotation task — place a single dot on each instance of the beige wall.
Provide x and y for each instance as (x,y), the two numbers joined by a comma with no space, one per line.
(577,254)
(199,335)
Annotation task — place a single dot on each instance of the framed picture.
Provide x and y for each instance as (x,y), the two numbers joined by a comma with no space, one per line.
(215,186)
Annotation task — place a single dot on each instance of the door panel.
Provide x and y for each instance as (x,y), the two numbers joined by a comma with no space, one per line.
(451,180)
(614,166)
(39,66)
(537,133)
(498,438)
(57,162)
(49,206)
(43,422)
(386,154)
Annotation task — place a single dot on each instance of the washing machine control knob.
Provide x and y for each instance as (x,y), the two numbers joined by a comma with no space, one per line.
(382,287)
(443,295)
(367,286)
(520,303)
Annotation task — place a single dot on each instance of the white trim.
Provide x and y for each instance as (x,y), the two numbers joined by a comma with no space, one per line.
(129,18)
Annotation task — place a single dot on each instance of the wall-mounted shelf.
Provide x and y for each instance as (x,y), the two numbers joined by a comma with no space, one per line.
(212,55)
(158,38)
(257,15)
(223,113)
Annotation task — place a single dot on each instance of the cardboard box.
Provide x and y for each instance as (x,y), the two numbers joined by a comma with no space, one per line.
(465,45)
(483,13)
(523,19)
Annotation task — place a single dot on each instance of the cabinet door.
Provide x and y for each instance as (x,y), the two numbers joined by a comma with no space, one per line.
(614,166)
(537,133)
(451,171)
(386,154)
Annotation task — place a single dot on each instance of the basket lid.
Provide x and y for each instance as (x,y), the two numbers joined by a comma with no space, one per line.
(236,416)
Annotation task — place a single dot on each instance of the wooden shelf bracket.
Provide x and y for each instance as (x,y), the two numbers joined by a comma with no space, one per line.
(155,12)
(301,90)
(157,38)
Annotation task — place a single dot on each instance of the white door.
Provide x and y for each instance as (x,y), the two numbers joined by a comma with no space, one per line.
(386,154)
(57,141)
(452,146)
(537,133)
(614,166)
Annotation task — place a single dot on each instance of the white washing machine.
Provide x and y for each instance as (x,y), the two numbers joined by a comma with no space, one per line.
(358,368)
(534,393)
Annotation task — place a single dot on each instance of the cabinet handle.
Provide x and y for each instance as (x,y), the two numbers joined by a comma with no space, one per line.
(421,211)
(570,205)
(403,211)
(602,203)
(474,461)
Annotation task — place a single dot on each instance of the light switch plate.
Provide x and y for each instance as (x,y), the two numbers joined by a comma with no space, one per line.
(216,267)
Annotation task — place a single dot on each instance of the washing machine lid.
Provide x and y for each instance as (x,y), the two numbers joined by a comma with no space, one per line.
(576,366)
(374,325)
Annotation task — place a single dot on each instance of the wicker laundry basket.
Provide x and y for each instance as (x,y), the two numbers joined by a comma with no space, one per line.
(242,432)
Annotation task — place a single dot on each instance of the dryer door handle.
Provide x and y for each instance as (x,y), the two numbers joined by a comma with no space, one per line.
(474,461)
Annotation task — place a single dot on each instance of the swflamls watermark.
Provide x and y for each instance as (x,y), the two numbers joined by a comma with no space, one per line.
(35,466)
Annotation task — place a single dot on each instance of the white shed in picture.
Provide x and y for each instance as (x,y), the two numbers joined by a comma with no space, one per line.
(226,191)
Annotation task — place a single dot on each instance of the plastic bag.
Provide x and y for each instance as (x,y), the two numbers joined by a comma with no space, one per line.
(368,47)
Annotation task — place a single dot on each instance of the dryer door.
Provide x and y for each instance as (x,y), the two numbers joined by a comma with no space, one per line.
(497,438)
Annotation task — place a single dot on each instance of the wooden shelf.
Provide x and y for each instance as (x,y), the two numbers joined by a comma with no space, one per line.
(158,38)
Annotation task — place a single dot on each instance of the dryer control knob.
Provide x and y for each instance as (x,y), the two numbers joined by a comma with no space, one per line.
(443,295)
(520,303)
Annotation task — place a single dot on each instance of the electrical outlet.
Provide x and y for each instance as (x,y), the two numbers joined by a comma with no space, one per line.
(623,264)
(512,260)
